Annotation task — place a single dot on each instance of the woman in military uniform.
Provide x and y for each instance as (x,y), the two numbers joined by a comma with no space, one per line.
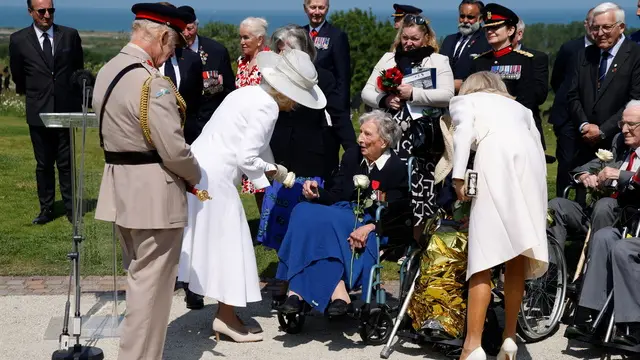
(515,67)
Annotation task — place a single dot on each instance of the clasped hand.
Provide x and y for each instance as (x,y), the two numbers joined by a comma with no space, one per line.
(358,238)
(593,181)
(310,190)
(591,133)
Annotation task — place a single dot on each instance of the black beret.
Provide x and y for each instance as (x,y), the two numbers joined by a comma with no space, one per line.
(402,10)
(495,14)
(189,12)
(162,14)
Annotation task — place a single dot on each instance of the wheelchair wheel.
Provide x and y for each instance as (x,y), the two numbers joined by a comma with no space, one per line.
(544,301)
(291,323)
(376,328)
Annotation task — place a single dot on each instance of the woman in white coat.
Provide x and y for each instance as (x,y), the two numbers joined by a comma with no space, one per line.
(507,224)
(415,48)
(217,257)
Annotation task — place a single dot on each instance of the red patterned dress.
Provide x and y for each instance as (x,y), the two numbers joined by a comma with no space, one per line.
(247,77)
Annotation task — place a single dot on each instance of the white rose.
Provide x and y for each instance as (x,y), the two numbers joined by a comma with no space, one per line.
(604,155)
(290,180)
(361,181)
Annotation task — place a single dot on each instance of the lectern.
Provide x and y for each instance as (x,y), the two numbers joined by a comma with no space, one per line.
(85,183)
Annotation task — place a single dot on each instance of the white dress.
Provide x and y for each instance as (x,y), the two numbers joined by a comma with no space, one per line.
(218,258)
(509,214)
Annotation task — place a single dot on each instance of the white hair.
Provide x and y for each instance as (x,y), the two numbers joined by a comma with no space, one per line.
(632,103)
(306,3)
(520,25)
(388,129)
(256,26)
(149,31)
(609,6)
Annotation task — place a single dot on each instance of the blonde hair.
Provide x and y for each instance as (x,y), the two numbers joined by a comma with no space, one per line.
(429,35)
(485,81)
(284,103)
(256,26)
(149,31)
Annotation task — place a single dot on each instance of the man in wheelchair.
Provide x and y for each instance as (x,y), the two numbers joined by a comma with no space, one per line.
(604,177)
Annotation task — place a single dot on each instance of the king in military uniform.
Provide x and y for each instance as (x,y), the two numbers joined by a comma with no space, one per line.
(148,167)
(515,67)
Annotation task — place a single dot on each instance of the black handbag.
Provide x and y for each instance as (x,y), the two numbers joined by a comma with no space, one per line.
(426,137)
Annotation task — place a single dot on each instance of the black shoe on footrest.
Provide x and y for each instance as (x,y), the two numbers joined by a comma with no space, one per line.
(293,305)
(337,307)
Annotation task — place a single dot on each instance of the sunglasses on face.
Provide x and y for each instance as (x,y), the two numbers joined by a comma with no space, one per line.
(468,17)
(42,12)
(414,19)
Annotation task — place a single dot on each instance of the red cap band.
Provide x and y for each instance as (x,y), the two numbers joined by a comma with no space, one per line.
(173,22)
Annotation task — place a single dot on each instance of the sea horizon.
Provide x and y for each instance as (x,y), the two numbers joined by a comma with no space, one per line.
(119,19)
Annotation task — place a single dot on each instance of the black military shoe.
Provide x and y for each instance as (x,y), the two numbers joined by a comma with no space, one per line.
(45,216)
(193,300)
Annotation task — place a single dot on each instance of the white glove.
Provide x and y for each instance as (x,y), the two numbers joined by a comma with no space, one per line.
(281,173)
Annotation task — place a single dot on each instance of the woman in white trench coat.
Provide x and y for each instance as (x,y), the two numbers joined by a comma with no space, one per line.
(508,216)
(217,257)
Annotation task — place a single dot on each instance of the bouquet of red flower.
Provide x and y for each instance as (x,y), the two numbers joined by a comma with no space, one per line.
(389,79)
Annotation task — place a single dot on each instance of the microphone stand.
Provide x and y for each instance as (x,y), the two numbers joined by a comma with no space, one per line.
(77,351)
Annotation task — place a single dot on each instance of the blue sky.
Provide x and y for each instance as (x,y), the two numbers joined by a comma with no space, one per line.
(551,5)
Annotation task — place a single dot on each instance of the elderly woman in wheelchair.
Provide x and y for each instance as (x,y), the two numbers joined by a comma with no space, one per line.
(330,245)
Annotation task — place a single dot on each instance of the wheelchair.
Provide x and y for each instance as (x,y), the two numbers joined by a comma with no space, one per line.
(374,314)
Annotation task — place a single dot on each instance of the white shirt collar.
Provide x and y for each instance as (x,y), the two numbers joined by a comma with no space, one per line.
(518,47)
(587,42)
(380,162)
(40,32)
(614,50)
(196,45)
(317,28)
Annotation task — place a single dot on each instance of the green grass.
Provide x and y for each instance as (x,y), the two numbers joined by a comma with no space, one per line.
(41,249)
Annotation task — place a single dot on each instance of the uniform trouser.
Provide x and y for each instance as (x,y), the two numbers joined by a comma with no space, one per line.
(570,219)
(151,277)
(614,263)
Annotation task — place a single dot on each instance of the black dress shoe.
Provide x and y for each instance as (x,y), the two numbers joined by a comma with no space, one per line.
(44,217)
(70,216)
(579,331)
(193,300)
(338,307)
(292,305)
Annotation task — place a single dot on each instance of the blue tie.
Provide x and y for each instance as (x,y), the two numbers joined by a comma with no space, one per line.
(602,70)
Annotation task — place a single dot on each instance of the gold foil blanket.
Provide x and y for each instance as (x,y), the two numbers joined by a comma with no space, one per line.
(438,302)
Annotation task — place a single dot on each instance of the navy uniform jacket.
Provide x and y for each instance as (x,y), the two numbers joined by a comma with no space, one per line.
(214,57)
(190,89)
(635,37)
(334,55)
(476,45)
(561,75)
(517,68)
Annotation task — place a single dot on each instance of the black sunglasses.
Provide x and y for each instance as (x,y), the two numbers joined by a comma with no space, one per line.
(468,17)
(414,19)
(42,12)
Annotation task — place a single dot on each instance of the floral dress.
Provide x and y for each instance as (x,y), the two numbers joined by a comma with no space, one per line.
(247,77)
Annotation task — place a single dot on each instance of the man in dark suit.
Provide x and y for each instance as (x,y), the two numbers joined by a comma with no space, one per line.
(606,78)
(467,43)
(217,76)
(636,35)
(540,74)
(565,130)
(43,57)
(333,47)
(400,11)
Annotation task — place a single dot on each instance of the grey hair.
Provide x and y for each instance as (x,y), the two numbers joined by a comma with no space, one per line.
(520,26)
(294,37)
(306,3)
(388,129)
(148,31)
(609,6)
(257,26)
(632,103)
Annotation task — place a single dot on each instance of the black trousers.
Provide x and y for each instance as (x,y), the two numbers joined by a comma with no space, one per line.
(566,154)
(52,147)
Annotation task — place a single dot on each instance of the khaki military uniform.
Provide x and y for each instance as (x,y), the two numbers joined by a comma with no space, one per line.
(147,202)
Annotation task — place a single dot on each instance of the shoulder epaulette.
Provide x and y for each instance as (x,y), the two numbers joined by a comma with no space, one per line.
(483,54)
(525,53)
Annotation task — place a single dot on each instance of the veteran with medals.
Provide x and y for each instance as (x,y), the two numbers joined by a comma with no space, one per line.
(514,66)
(148,166)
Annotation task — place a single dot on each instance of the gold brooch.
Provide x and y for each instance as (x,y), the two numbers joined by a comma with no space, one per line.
(488,15)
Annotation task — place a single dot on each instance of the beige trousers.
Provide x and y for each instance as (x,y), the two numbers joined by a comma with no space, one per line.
(153,267)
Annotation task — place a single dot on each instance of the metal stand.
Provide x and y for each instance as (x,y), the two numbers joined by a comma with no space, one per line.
(73,121)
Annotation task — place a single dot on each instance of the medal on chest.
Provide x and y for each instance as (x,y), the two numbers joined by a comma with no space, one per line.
(321,43)
(507,72)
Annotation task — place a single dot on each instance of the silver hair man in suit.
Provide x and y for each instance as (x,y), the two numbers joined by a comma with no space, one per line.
(569,216)
(148,165)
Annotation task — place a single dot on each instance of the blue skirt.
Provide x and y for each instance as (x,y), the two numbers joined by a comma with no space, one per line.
(315,254)
(277,206)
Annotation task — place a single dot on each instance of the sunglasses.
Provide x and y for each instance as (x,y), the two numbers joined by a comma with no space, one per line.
(415,19)
(42,12)
(468,17)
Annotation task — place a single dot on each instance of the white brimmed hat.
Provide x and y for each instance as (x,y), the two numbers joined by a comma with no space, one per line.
(292,74)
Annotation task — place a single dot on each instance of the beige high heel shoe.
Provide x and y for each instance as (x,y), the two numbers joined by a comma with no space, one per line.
(477,354)
(219,327)
(508,350)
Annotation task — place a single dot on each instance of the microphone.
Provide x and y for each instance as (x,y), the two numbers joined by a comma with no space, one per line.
(82,78)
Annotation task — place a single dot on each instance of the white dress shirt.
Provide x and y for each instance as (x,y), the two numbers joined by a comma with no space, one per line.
(176,69)
(41,38)
(379,162)
(464,39)
(195,47)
